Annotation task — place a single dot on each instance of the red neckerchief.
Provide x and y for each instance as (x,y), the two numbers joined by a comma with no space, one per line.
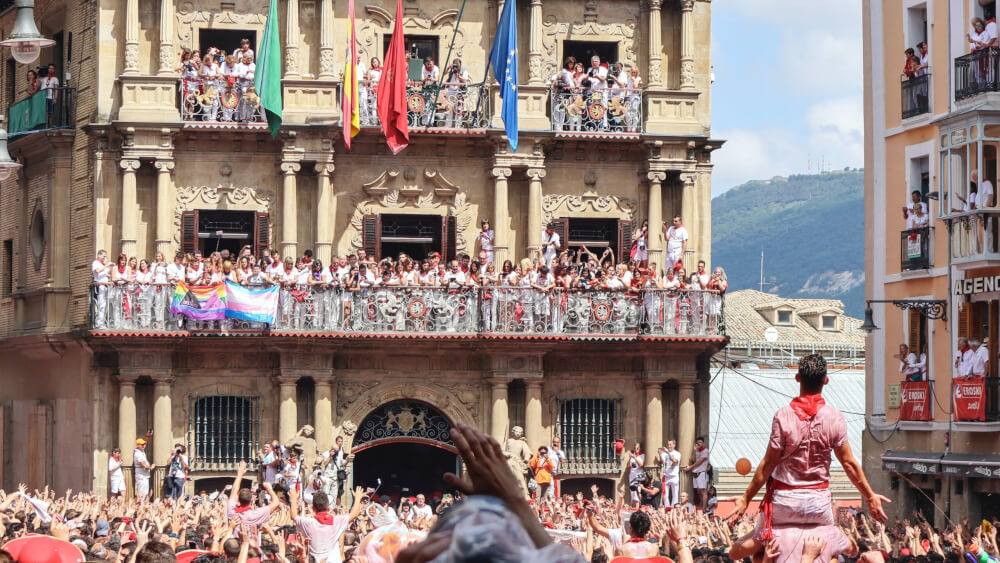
(324,518)
(307,262)
(121,269)
(114,457)
(966,349)
(635,540)
(806,406)
(242,509)
(101,261)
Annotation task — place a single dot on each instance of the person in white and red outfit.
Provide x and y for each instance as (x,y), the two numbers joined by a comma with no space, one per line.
(963,358)
(323,529)
(699,470)
(677,243)
(241,506)
(101,272)
(558,456)
(291,473)
(486,237)
(115,473)
(796,469)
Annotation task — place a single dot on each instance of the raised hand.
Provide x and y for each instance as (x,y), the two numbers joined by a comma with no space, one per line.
(812,547)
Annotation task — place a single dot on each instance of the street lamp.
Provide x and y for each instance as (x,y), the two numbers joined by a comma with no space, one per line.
(25,41)
(7,164)
(929,308)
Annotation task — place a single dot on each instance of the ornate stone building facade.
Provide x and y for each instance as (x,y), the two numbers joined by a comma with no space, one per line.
(145,161)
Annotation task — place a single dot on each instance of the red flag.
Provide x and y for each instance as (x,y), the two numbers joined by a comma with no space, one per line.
(392,89)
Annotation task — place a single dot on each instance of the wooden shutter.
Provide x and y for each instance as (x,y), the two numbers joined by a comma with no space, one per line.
(371,239)
(449,239)
(963,320)
(977,320)
(914,325)
(189,231)
(562,229)
(260,232)
(624,240)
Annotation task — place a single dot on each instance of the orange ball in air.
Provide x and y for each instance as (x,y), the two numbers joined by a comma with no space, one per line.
(743,466)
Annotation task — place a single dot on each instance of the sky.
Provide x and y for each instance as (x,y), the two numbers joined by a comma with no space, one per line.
(788,88)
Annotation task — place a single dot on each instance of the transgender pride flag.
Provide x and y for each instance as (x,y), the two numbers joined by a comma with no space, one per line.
(201,303)
(253,305)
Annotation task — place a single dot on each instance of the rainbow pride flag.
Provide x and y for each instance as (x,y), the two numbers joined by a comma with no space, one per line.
(201,303)
(254,305)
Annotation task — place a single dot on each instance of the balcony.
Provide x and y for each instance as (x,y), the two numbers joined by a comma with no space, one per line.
(915,249)
(915,96)
(220,101)
(451,107)
(606,111)
(38,112)
(976,73)
(976,399)
(421,312)
(974,238)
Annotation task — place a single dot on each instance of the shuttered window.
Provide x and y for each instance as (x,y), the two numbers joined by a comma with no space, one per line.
(261,232)
(189,231)
(371,237)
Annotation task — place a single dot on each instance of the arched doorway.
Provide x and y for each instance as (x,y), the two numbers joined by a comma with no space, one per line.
(407,444)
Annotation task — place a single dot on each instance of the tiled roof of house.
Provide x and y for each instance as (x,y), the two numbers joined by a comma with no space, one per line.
(746,320)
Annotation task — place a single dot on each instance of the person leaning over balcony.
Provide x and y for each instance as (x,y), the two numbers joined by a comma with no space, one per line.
(983,35)
(908,364)
(963,358)
(915,201)
(980,358)
(911,63)
(917,219)
(718,284)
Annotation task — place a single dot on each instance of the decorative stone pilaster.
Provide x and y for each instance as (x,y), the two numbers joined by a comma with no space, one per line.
(501,214)
(292,40)
(535,44)
(131,38)
(655,43)
(688,205)
(685,427)
(499,412)
(655,216)
(533,430)
(289,210)
(535,176)
(164,207)
(687,44)
(287,408)
(163,439)
(126,417)
(327,70)
(130,206)
(326,212)
(167,56)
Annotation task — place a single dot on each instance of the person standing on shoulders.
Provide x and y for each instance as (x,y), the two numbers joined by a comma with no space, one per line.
(240,505)
(324,529)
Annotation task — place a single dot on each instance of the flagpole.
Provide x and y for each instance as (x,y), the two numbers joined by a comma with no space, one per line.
(447,59)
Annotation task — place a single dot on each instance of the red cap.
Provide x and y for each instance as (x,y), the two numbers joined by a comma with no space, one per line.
(43,549)
(904,551)
(188,555)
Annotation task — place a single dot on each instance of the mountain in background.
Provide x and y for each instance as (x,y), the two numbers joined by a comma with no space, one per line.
(811,229)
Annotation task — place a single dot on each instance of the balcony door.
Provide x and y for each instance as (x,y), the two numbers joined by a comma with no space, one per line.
(597,235)
(389,235)
(209,230)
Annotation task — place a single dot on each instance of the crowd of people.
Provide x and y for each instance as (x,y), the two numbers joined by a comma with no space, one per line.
(551,292)
(219,85)
(604,96)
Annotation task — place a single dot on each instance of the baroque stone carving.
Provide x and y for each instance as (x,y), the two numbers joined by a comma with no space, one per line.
(687,73)
(444,198)
(348,428)
(535,66)
(349,392)
(553,203)
(131,57)
(166,57)
(326,63)
(291,59)
(195,14)
(243,197)
(654,70)
(379,23)
(555,30)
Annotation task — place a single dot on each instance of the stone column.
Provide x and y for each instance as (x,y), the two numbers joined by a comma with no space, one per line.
(167,57)
(292,40)
(130,206)
(501,217)
(163,434)
(533,414)
(535,226)
(126,417)
(287,412)
(324,413)
(655,217)
(131,39)
(326,64)
(655,43)
(164,208)
(685,428)
(688,219)
(499,413)
(326,213)
(687,44)
(289,209)
(535,44)
(654,421)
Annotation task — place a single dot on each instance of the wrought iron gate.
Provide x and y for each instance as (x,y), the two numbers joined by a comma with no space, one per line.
(223,430)
(588,429)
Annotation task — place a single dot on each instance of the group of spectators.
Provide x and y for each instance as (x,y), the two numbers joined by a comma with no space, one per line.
(219,85)
(536,294)
(603,96)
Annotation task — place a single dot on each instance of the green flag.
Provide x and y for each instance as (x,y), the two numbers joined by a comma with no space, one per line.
(27,114)
(267,80)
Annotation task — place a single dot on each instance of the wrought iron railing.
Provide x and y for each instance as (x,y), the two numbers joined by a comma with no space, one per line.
(449,106)
(486,311)
(588,429)
(223,430)
(977,72)
(51,108)
(608,110)
(915,249)
(228,100)
(915,95)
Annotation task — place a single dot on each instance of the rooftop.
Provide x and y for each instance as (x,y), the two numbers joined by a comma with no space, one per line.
(746,320)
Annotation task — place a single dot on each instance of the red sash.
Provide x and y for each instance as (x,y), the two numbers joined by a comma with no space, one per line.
(767,505)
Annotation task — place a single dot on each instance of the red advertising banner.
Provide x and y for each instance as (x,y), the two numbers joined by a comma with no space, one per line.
(915,400)
(970,399)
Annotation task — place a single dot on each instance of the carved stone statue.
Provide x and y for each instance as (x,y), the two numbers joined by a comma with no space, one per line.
(518,455)
(305,442)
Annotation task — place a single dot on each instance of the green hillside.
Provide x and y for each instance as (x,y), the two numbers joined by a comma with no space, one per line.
(811,228)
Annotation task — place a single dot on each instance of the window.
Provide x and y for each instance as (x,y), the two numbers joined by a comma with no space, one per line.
(829,322)
(584,50)
(227,40)
(588,429)
(916,25)
(36,237)
(420,47)
(7,268)
(598,235)
(784,317)
(223,430)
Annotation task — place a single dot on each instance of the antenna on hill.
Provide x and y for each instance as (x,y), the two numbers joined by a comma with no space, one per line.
(762,282)
(809,163)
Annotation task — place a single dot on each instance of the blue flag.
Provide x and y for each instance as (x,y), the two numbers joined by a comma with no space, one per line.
(503,57)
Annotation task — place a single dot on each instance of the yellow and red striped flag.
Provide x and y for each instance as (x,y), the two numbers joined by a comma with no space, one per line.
(349,98)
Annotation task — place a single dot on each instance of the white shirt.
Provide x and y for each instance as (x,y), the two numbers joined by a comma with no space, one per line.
(432,74)
(909,365)
(549,254)
(557,457)
(985,193)
(418,512)
(139,458)
(453,81)
(99,271)
(914,221)
(598,77)
(270,472)
(671,461)
(49,83)
(965,362)
(925,59)
(675,239)
(159,271)
(980,358)
(178,471)
(323,539)
(115,470)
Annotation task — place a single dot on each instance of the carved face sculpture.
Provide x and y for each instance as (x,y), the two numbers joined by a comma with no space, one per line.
(517,432)
(307,430)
